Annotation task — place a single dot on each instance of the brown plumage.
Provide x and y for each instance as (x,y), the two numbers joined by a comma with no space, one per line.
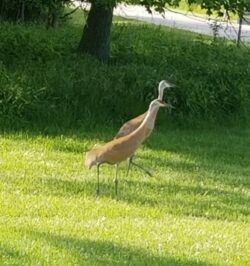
(124,147)
(134,123)
(130,126)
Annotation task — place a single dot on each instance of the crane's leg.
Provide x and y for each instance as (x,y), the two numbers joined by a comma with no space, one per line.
(131,162)
(98,185)
(116,179)
(139,166)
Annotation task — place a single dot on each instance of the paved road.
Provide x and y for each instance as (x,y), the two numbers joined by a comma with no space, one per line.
(181,21)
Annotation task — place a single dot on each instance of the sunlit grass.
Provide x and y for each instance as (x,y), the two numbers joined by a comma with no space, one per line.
(193,211)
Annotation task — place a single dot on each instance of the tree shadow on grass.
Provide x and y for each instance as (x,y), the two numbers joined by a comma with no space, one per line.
(7,254)
(201,169)
(214,152)
(222,142)
(10,256)
(96,252)
(181,199)
(169,197)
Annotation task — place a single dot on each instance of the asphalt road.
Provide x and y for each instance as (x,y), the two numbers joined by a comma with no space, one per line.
(183,21)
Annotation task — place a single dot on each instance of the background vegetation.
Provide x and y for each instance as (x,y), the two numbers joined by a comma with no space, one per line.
(44,79)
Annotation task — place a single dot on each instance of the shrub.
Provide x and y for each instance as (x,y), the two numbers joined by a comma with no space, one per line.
(44,80)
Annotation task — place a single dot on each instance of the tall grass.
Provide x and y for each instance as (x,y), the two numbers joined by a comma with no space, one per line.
(44,80)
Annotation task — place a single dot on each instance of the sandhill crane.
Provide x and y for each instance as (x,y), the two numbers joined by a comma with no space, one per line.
(134,123)
(118,150)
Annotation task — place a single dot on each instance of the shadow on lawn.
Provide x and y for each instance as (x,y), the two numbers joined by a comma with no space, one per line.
(168,197)
(215,152)
(10,256)
(8,253)
(93,252)
(203,168)
(188,200)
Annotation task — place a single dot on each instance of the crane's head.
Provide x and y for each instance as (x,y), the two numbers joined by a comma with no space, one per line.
(162,86)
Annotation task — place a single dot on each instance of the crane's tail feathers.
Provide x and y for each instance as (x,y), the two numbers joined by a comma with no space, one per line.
(90,160)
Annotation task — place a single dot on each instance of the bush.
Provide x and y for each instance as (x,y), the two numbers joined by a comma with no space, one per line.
(30,10)
(43,79)
(47,11)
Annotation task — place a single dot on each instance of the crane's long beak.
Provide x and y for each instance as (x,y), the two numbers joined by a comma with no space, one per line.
(170,106)
(164,104)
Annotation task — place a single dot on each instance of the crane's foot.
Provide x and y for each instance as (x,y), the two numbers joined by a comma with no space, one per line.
(97,192)
(142,168)
(148,173)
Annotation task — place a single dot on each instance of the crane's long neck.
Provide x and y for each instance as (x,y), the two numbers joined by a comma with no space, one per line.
(162,85)
(148,123)
(149,120)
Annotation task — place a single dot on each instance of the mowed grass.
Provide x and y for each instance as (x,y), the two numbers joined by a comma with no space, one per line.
(193,211)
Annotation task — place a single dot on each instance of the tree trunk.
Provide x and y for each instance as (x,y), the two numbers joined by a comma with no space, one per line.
(52,18)
(55,9)
(2,9)
(239,31)
(22,10)
(96,33)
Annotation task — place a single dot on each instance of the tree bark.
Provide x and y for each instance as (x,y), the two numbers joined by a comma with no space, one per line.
(96,33)
(2,9)
(239,31)
(52,18)
(55,9)
(22,10)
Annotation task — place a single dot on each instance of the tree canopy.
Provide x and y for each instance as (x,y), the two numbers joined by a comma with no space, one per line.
(29,10)
(235,6)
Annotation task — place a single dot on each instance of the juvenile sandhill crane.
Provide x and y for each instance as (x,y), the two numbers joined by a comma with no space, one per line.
(134,123)
(118,150)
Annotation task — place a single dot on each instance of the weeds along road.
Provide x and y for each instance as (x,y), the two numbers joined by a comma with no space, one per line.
(181,21)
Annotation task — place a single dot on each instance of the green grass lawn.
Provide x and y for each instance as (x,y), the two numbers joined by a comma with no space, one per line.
(193,211)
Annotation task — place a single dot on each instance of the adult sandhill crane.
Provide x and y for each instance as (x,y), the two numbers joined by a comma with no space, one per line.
(134,123)
(118,150)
